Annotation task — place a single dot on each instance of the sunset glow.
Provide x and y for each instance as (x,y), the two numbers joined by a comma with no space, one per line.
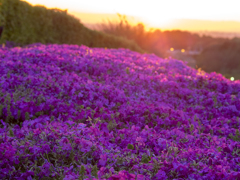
(161,14)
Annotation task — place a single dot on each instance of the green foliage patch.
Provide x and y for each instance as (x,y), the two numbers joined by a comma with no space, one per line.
(25,24)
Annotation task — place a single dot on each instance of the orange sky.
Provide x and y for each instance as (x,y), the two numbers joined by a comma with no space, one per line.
(204,15)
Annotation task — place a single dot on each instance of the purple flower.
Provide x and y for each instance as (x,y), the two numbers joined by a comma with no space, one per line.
(161,175)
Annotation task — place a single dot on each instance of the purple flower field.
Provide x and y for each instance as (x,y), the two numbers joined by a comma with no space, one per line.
(73,112)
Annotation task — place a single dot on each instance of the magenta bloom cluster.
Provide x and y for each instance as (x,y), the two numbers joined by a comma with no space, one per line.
(73,112)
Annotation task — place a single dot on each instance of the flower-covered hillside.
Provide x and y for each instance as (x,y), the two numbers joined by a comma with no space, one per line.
(73,112)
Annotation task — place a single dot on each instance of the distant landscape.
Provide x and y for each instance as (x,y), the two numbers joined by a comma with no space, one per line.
(219,34)
(214,34)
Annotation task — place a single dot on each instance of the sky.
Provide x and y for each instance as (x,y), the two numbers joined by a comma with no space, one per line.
(222,15)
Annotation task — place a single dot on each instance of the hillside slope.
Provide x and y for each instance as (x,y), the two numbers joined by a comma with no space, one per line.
(70,112)
(25,24)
